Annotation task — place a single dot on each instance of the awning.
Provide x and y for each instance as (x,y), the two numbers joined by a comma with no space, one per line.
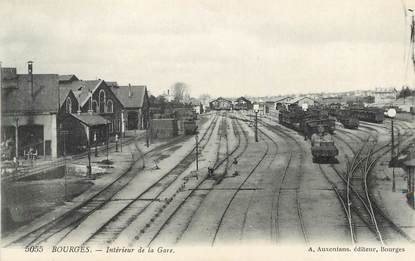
(90,119)
(410,163)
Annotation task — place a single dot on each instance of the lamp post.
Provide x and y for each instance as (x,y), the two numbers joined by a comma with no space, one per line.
(147,132)
(17,139)
(64,160)
(304,107)
(63,133)
(122,129)
(96,144)
(392,113)
(256,109)
(89,155)
(108,136)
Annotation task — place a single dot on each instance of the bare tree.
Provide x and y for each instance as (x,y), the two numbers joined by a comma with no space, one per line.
(180,91)
(205,99)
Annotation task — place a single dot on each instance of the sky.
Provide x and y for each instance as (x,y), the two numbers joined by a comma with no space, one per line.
(220,47)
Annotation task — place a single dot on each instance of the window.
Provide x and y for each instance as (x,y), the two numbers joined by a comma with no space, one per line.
(110,106)
(68,105)
(94,106)
(101,101)
(111,127)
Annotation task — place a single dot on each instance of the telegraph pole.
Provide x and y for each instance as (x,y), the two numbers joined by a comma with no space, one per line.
(65,172)
(17,139)
(122,129)
(89,158)
(108,136)
(256,109)
(256,126)
(197,151)
(147,132)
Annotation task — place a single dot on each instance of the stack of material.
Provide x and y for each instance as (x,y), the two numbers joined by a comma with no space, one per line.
(180,126)
(163,128)
(184,113)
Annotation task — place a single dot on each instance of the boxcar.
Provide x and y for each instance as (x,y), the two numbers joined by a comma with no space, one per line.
(323,148)
(348,119)
(369,114)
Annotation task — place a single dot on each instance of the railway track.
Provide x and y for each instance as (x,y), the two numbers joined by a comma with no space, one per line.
(188,198)
(295,193)
(367,204)
(238,189)
(343,201)
(362,203)
(145,203)
(71,220)
(238,130)
(372,211)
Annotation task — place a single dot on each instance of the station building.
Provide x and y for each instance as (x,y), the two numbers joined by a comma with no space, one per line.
(220,104)
(55,114)
(242,103)
(385,95)
(90,114)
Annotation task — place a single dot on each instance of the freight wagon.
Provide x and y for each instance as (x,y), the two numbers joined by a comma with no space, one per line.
(323,148)
(348,119)
(307,122)
(369,114)
(190,126)
(315,125)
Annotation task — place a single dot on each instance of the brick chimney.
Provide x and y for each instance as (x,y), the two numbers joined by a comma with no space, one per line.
(30,72)
(129,90)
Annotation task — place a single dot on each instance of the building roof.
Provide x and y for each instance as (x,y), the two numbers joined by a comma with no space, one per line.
(281,99)
(90,119)
(81,89)
(68,78)
(130,97)
(221,98)
(297,99)
(8,77)
(244,99)
(45,94)
(111,83)
(385,90)
(63,93)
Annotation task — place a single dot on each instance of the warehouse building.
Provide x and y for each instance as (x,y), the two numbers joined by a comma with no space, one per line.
(134,99)
(29,105)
